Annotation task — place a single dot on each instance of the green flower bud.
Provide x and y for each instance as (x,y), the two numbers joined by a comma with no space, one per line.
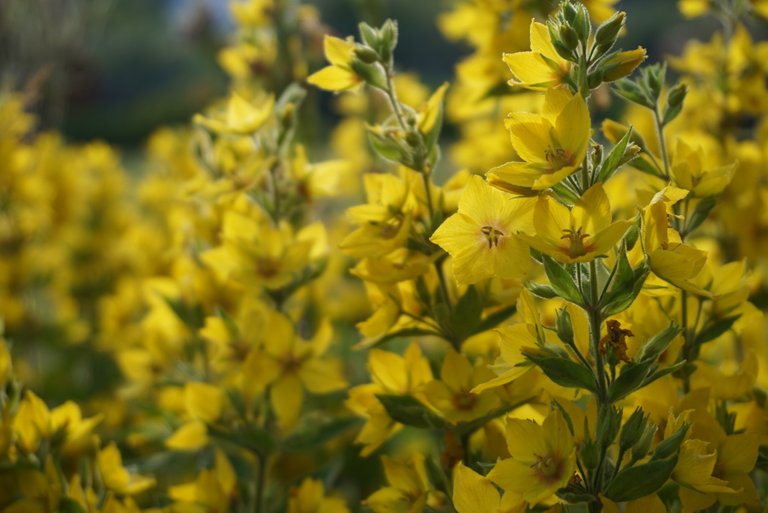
(607,33)
(589,453)
(633,429)
(643,445)
(366,54)
(581,23)
(569,37)
(564,327)
(369,35)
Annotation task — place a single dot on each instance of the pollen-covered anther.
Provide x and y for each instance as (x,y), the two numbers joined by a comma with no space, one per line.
(576,240)
(558,157)
(492,235)
(548,468)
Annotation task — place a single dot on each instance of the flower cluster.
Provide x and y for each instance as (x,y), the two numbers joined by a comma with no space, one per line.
(570,321)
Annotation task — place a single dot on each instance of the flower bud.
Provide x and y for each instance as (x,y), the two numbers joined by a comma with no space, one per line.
(607,33)
(581,23)
(632,430)
(643,445)
(569,37)
(564,327)
(621,64)
(369,35)
(366,54)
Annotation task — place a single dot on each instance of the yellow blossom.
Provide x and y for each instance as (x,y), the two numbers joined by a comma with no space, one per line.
(579,234)
(339,76)
(541,68)
(543,458)
(481,237)
(551,145)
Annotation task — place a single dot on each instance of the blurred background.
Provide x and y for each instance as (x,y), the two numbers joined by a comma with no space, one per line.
(118,69)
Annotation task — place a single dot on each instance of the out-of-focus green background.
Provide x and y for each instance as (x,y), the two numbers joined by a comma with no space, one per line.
(118,69)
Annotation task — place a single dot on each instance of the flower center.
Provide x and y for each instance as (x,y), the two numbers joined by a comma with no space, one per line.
(548,468)
(558,157)
(463,400)
(575,242)
(492,235)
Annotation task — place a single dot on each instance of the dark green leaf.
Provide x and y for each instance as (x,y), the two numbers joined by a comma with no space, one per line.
(714,330)
(562,371)
(561,281)
(635,482)
(68,505)
(407,332)
(317,435)
(700,213)
(386,147)
(474,425)
(614,158)
(631,378)
(619,299)
(660,373)
(467,313)
(669,446)
(575,494)
(496,318)
(408,410)
(249,437)
(541,290)
(659,343)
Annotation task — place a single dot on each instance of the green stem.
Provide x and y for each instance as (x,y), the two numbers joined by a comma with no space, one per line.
(687,339)
(393,101)
(260,484)
(662,142)
(595,320)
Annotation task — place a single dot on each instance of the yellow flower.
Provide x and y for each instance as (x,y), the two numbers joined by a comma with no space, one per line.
(453,394)
(408,488)
(32,422)
(384,222)
(508,366)
(241,116)
(116,477)
(580,234)
(391,374)
(473,493)
(339,76)
(543,458)
(79,432)
(690,171)
(481,238)
(551,145)
(669,258)
(310,498)
(211,491)
(541,68)
(288,364)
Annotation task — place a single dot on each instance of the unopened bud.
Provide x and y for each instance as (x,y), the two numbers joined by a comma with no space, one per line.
(643,445)
(581,23)
(632,430)
(676,95)
(607,33)
(369,35)
(366,54)
(564,327)
(569,37)
(569,12)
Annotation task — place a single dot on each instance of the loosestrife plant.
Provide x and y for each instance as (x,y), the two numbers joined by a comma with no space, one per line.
(569,322)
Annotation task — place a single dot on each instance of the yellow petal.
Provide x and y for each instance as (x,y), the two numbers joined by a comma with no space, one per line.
(339,52)
(287,396)
(333,78)
(191,436)
(473,493)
